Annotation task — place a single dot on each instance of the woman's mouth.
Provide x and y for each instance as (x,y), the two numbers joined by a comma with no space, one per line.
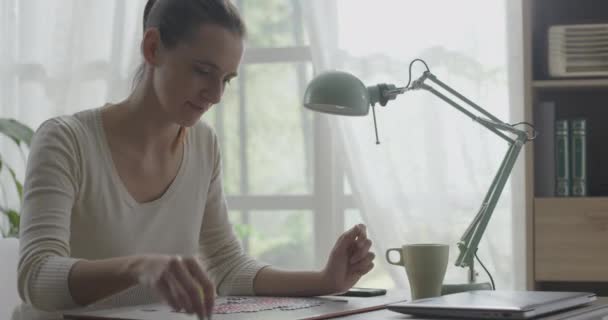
(196,107)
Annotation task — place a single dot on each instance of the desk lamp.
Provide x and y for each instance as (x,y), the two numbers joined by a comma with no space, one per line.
(341,93)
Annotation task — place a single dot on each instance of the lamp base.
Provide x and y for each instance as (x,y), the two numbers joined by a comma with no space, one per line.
(462,287)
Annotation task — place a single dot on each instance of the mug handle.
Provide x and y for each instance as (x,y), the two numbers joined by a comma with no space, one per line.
(388,259)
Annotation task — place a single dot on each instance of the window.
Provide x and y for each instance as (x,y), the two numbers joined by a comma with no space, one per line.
(279,168)
(280,172)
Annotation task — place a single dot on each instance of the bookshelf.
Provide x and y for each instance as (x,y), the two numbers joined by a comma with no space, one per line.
(567,237)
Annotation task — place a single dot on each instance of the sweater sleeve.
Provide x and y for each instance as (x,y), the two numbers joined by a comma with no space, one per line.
(229,267)
(50,188)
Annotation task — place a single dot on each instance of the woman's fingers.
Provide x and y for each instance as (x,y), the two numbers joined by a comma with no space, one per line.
(362,250)
(182,282)
(348,238)
(166,291)
(358,232)
(173,292)
(362,232)
(364,263)
(367,269)
(208,289)
(189,286)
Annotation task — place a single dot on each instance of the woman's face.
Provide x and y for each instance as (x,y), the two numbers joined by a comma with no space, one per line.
(190,78)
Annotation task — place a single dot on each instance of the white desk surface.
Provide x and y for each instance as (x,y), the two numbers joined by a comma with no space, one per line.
(390,315)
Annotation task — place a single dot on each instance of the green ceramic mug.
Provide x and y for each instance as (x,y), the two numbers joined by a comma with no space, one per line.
(425,266)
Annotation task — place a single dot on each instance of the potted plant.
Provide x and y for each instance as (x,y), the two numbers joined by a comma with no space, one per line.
(21,135)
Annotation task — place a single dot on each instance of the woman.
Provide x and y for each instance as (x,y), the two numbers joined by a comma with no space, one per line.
(123,204)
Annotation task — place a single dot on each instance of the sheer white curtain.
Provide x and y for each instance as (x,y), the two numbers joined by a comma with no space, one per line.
(426,180)
(61,56)
(65,55)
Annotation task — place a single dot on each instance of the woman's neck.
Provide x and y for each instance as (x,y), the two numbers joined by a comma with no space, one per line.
(141,122)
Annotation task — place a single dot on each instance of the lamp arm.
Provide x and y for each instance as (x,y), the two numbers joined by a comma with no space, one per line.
(470,239)
(434,78)
(495,125)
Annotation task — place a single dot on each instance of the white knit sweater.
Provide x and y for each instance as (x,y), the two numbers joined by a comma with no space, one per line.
(76,207)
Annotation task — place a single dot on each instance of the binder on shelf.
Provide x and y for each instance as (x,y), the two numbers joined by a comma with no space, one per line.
(562,155)
(578,157)
(544,149)
(578,50)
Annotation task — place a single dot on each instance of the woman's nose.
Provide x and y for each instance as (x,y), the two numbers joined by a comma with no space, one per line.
(213,93)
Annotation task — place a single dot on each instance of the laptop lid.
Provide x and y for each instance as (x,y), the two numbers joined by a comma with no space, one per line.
(486,304)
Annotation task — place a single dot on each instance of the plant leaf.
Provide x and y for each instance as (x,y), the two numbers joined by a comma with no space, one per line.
(13,222)
(4,235)
(13,218)
(16,130)
(18,184)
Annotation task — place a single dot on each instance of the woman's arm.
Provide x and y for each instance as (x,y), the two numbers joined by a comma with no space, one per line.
(232,270)
(349,260)
(49,278)
(93,280)
(51,184)
(270,281)
(178,280)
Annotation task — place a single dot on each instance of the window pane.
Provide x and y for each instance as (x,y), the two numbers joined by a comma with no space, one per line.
(281,238)
(241,228)
(262,113)
(273,23)
(224,117)
(379,276)
(346,185)
(279,132)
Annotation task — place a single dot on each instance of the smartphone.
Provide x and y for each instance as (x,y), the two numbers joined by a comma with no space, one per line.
(363,292)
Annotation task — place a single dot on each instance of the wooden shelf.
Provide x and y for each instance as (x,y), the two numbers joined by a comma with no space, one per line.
(578,199)
(570,84)
(570,239)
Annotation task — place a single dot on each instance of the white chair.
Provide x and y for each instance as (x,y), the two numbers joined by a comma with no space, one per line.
(9,257)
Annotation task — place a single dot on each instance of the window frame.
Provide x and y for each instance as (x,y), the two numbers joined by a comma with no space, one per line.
(328,201)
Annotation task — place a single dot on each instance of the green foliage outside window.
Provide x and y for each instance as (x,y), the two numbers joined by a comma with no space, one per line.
(273,23)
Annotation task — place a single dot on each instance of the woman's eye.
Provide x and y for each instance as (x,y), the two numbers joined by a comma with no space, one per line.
(201,71)
(227,81)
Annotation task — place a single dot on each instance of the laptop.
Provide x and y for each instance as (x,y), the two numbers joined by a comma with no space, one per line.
(251,308)
(487,304)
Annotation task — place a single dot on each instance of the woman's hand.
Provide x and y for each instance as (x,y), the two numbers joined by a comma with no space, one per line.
(349,260)
(181,281)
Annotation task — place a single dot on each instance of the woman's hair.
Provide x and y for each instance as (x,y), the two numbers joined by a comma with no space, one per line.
(178,20)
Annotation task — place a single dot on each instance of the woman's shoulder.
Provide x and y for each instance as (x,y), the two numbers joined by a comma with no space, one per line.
(72,122)
(203,132)
(203,139)
(203,127)
(75,128)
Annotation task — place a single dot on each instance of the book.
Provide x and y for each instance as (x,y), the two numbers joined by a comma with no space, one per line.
(562,156)
(544,149)
(578,157)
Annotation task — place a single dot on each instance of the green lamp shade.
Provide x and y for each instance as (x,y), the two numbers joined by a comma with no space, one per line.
(337,92)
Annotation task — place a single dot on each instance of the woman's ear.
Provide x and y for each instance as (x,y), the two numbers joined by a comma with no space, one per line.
(150,46)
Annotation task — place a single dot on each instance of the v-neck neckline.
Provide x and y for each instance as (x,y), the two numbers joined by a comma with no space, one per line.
(111,167)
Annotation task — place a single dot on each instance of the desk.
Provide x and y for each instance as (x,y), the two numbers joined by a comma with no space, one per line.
(390,315)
